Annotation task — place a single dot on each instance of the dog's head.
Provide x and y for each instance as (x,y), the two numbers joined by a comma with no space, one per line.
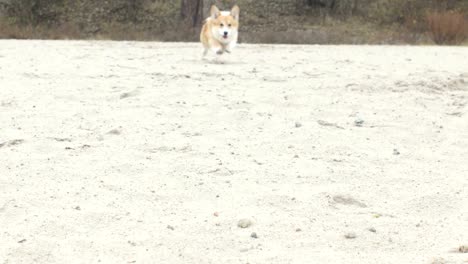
(225,23)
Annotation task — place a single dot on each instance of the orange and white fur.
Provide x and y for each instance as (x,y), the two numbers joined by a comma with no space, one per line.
(219,32)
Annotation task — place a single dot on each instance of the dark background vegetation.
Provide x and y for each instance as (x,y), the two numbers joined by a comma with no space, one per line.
(262,21)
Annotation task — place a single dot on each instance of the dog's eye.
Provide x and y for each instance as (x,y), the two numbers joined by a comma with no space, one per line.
(229,25)
(221,25)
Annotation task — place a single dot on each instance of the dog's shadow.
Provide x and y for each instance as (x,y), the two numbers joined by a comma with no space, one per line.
(215,61)
(220,61)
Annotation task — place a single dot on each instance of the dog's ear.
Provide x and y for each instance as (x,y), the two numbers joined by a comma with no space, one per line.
(235,12)
(214,12)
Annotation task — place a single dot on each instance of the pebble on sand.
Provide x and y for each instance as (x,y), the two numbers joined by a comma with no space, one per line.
(253,235)
(298,124)
(463,249)
(350,235)
(114,132)
(244,223)
(358,122)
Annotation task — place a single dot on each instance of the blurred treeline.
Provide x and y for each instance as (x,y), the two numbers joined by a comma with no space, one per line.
(266,21)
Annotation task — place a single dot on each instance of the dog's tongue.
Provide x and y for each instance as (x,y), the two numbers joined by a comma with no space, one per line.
(225,37)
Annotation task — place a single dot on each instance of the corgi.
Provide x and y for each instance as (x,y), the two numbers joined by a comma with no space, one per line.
(219,32)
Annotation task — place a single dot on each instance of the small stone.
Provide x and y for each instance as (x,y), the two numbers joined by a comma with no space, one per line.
(253,235)
(350,235)
(216,214)
(463,249)
(396,152)
(22,241)
(348,200)
(125,95)
(372,230)
(114,132)
(244,223)
(298,230)
(170,227)
(298,124)
(358,122)
(77,208)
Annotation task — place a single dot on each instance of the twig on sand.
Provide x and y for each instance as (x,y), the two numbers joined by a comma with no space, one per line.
(13,142)
(325,123)
(218,170)
(60,139)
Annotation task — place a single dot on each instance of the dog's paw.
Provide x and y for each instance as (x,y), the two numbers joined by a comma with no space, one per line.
(219,52)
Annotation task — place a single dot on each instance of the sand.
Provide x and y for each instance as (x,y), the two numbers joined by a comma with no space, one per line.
(126,152)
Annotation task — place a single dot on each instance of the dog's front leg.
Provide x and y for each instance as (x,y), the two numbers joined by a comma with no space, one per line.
(229,47)
(216,47)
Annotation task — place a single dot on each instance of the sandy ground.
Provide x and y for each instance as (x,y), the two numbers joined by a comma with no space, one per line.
(122,152)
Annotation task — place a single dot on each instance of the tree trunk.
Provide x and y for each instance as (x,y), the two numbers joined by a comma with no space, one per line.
(192,12)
